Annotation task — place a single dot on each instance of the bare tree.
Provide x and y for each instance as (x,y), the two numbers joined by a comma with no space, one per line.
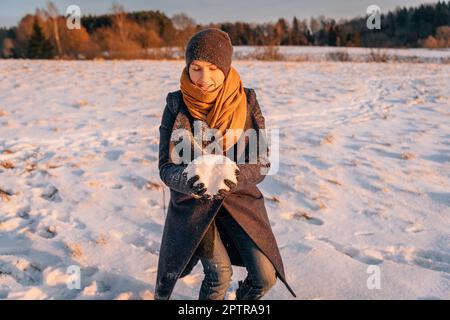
(120,20)
(185,27)
(53,15)
(430,43)
(314,25)
(182,21)
(443,36)
(7,47)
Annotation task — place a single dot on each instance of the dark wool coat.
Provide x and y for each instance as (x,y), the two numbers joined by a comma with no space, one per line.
(189,220)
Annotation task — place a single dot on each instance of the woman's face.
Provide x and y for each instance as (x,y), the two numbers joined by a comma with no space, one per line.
(205,75)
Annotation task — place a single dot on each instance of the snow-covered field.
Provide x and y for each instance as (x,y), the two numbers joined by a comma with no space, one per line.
(322,53)
(364,177)
(316,53)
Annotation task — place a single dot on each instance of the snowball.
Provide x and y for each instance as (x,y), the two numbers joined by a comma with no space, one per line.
(212,170)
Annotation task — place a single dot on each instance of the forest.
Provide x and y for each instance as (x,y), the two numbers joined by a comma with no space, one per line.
(123,34)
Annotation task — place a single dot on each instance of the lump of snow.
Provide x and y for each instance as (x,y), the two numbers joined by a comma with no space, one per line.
(212,170)
(91,290)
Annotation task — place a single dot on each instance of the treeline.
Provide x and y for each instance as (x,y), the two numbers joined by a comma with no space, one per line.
(122,34)
(425,26)
(115,35)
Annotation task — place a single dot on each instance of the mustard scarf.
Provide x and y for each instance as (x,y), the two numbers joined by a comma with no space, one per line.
(223,108)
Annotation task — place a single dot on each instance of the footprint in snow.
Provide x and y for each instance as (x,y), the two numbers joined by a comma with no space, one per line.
(113,155)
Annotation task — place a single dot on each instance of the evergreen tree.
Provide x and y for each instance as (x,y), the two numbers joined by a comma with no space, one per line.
(39,47)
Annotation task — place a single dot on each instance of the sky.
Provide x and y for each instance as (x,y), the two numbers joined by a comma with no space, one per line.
(205,11)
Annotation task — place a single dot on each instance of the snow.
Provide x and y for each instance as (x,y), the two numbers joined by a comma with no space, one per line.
(363,177)
(320,53)
(212,170)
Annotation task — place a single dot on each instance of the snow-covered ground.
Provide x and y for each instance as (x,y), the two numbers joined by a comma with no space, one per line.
(325,53)
(315,53)
(364,177)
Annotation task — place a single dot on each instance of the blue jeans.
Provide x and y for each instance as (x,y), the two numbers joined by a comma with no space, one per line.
(261,275)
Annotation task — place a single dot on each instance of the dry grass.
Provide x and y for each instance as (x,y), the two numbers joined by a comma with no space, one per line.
(150,185)
(102,240)
(75,250)
(30,167)
(302,214)
(274,199)
(334,182)
(147,295)
(407,155)
(342,56)
(7,164)
(4,195)
(163,53)
(328,139)
(378,55)
(81,103)
(319,203)
(94,184)
(301,58)
(53,166)
(265,53)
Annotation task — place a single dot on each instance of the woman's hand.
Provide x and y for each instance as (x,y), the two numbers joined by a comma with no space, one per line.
(199,189)
(231,187)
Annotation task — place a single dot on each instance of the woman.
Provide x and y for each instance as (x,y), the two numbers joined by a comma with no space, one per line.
(231,228)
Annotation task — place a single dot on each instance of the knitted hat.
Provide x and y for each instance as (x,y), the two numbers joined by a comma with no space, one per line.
(212,45)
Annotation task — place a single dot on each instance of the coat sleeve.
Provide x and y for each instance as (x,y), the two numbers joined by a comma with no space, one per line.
(171,174)
(251,173)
